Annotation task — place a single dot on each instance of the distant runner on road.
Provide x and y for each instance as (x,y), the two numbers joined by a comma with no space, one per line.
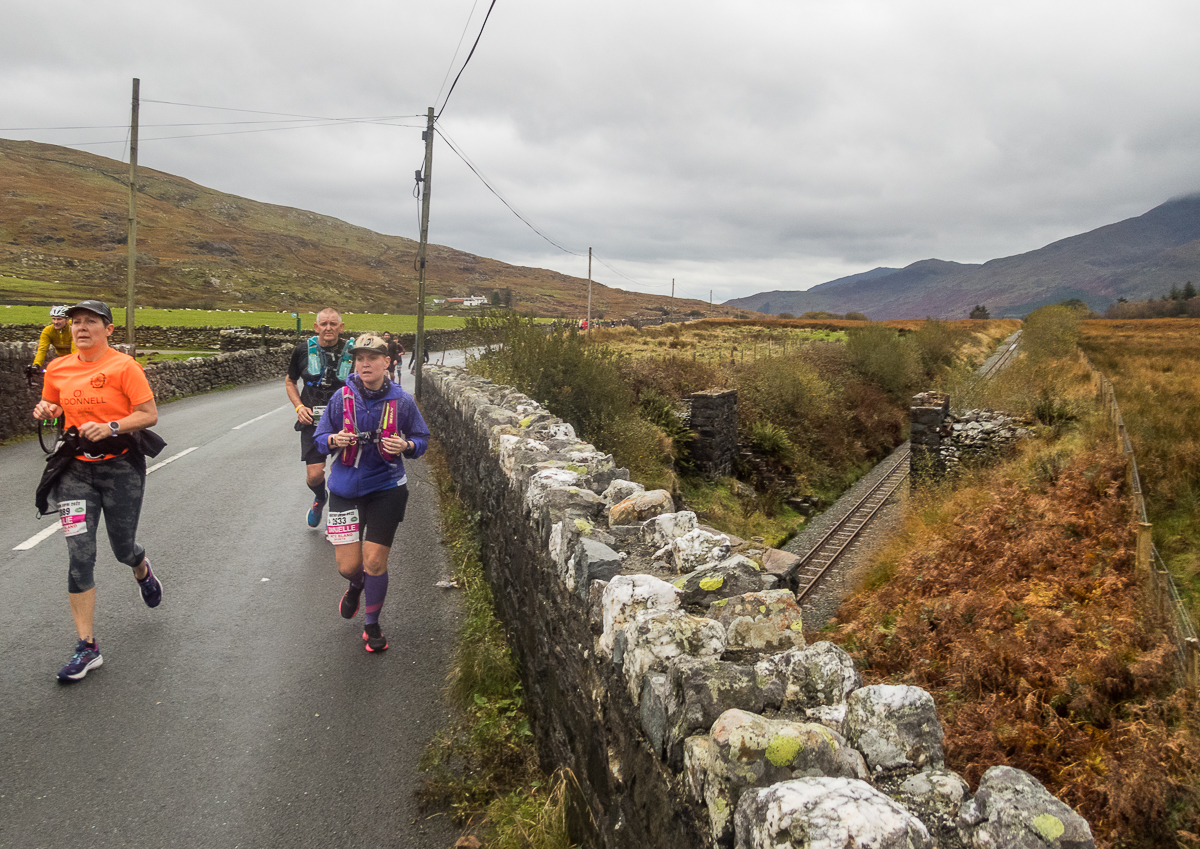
(369,424)
(323,362)
(55,335)
(100,467)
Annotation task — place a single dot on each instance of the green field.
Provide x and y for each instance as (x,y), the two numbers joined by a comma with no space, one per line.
(355,322)
(18,288)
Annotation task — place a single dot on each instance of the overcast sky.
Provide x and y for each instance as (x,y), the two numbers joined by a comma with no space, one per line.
(738,147)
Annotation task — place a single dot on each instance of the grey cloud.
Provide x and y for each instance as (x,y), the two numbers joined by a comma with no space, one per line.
(761,145)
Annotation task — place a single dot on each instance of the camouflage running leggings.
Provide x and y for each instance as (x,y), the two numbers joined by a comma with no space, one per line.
(115,488)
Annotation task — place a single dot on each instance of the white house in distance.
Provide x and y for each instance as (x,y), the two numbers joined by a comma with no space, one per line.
(471,301)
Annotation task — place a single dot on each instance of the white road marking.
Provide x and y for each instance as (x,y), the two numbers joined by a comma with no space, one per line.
(46,533)
(256,418)
(172,459)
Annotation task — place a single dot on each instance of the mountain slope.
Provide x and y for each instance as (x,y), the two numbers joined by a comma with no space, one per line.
(1138,258)
(63,217)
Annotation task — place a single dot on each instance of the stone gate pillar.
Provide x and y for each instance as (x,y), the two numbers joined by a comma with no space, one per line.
(928,416)
(714,419)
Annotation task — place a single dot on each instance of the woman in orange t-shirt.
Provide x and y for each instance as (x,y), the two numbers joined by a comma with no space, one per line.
(103,394)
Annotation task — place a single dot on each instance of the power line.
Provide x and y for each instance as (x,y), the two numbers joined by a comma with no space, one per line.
(457,48)
(280,114)
(229,133)
(494,191)
(468,60)
(487,184)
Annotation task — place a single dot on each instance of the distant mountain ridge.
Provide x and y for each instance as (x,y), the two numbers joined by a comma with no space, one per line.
(1137,259)
(63,219)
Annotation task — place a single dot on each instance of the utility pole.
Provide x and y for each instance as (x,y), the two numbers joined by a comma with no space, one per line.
(131,262)
(419,347)
(672,288)
(589,315)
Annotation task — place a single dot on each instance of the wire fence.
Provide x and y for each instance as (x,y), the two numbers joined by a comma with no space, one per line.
(1162,593)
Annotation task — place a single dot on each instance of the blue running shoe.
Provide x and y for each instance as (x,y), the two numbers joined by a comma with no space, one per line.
(151,587)
(85,659)
(314,514)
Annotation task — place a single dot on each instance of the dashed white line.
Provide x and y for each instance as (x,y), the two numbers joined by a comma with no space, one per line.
(36,538)
(46,533)
(256,418)
(172,459)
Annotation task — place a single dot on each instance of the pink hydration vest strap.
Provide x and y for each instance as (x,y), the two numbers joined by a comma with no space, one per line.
(387,427)
(349,422)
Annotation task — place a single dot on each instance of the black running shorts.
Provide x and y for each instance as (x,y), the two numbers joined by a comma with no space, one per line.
(379,513)
(309,452)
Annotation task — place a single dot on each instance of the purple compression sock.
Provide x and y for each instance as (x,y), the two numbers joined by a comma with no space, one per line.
(376,590)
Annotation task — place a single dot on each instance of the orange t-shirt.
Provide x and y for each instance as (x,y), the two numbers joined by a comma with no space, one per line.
(103,391)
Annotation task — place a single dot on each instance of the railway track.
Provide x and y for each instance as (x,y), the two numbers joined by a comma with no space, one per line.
(1001,360)
(823,558)
(830,549)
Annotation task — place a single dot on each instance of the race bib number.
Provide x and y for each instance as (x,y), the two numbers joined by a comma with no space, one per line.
(73,517)
(341,528)
(317,413)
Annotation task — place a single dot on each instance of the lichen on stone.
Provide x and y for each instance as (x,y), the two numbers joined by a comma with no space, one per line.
(782,749)
(1049,827)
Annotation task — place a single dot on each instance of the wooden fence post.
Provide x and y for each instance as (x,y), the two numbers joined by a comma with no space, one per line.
(1192,664)
(1144,550)
(1164,594)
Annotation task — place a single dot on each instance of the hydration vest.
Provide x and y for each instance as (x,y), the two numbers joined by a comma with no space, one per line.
(318,359)
(387,427)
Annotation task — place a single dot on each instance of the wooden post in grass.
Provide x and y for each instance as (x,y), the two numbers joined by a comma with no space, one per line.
(1191,665)
(1145,542)
(1164,594)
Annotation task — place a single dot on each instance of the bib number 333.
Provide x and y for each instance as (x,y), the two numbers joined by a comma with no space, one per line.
(342,527)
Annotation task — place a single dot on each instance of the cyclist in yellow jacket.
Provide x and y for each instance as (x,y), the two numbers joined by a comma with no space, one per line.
(58,334)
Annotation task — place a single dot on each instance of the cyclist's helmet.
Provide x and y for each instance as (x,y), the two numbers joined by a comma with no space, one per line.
(58,312)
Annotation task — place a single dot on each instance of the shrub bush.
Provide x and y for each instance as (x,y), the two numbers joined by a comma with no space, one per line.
(886,358)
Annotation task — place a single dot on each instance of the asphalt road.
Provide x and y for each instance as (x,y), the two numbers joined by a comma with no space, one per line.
(242,712)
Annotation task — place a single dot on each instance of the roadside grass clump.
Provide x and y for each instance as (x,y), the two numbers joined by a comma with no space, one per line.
(483,765)
(1011,596)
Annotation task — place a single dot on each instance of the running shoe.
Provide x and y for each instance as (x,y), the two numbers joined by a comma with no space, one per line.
(376,641)
(151,587)
(314,514)
(349,603)
(85,659)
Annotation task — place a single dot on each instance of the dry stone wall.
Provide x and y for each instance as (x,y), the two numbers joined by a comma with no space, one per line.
(942,441)
(230,338)
(664,663)
(171,379)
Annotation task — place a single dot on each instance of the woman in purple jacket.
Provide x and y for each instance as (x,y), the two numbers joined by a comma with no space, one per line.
(369,425)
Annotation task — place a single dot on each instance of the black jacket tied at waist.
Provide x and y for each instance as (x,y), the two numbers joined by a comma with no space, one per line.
(137,446)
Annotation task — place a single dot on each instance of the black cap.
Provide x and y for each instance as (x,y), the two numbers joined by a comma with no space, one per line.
(98,307)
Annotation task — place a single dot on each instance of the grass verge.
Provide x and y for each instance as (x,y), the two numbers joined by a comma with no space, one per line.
(483,767)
